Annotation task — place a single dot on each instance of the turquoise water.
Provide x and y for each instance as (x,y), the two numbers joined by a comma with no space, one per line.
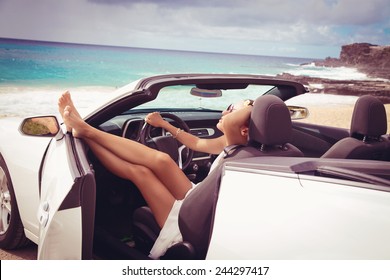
(33,74)
(37,63)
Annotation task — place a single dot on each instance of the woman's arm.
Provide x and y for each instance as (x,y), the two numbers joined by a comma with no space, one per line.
(212,146)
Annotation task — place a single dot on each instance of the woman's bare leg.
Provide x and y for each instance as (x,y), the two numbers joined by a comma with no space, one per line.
(157,196)
(165,169)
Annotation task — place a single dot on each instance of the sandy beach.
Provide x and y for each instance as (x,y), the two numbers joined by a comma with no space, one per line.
(338,116)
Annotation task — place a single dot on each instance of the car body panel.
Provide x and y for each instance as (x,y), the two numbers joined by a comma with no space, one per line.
(286,216)
(234,204)
(62,237)
(57,181)
(61,205)
(23,155)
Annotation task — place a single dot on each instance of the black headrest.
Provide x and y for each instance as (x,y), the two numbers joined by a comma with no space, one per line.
(369,117)
(270,121)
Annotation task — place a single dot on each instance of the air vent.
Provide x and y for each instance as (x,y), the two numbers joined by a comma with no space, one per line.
(202,132)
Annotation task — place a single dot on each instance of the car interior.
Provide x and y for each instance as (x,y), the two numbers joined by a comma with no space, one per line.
(124,225)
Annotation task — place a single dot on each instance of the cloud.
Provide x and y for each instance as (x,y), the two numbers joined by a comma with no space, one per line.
(313,22)
(255,11)
(199,25)
(168,3)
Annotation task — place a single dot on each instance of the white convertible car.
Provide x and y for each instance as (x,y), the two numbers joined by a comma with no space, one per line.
(297,191)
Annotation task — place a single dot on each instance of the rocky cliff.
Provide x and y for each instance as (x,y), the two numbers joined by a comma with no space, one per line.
(370,59)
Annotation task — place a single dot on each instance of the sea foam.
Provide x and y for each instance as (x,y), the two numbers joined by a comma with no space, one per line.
(333,73)
(24,101)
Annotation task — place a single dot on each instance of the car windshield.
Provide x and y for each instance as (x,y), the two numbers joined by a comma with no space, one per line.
(181,97)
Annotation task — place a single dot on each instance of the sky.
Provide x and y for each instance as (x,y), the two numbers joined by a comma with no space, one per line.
(288,28)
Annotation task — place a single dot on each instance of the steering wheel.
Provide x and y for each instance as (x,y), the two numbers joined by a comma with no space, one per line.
(168,144)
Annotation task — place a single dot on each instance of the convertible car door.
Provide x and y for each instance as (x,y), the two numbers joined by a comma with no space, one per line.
(264,214)
(67,201)
(250,218)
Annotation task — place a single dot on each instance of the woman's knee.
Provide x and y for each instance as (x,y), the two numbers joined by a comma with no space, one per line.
(162,160)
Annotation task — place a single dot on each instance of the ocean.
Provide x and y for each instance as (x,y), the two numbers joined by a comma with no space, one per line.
(33,73)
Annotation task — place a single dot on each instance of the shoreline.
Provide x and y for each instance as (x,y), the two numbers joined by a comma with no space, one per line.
(372,61)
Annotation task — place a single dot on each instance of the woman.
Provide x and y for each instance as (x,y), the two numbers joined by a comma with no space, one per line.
(210,146)
(163,191)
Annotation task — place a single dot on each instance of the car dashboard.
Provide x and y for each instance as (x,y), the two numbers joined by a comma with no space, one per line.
(202,123)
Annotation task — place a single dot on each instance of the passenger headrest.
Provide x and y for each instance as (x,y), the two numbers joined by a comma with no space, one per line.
(270,121)
(369,117)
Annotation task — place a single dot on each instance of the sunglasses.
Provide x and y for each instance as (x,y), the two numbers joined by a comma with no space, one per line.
(248,102)
(230,108)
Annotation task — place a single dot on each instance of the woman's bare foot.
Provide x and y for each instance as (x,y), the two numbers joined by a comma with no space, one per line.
(72,119)
(66,100)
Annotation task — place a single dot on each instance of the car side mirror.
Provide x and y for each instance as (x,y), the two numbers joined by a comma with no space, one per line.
(297,112)
(40,126)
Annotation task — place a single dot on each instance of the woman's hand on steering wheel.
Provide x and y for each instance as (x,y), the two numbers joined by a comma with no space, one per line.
(155,119)
(165,143)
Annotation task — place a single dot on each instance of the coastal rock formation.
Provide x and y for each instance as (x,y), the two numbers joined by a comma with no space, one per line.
(370,59)
(378,88)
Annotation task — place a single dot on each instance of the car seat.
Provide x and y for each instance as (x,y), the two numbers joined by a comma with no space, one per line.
(367,133)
